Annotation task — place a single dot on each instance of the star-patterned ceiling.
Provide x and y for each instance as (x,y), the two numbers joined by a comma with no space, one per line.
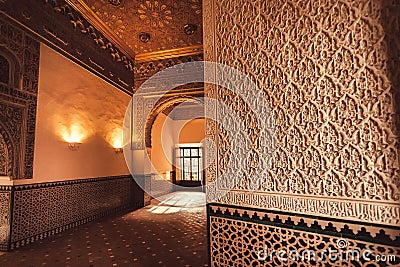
(152,25)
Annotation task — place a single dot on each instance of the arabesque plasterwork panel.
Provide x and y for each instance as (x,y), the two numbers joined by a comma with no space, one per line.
(328,71)
(18,99)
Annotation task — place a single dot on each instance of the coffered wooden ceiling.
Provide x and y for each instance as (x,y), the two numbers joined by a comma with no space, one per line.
(129,21)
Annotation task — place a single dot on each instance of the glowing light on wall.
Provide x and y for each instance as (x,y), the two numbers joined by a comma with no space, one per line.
(74,134)
(117,143)
(115,140)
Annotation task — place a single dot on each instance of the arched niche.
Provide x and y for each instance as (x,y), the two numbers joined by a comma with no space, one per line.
(164,105)
(10,76)
(10,68)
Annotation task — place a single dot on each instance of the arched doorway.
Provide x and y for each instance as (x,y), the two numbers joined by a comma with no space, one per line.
(173,136)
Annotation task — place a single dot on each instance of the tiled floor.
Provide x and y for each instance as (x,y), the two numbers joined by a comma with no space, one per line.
(158,235)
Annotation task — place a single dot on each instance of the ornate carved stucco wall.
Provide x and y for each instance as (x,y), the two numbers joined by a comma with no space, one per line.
(18,100)
(328,69)
(151,104)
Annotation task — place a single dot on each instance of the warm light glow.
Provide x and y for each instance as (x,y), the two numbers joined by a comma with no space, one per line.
(179,201)
(116,138)
(73,134)
(117,144)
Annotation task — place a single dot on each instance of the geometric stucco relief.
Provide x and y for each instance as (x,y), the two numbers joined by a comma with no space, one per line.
(4,158)
(18,95)
(330,78)
(152,104)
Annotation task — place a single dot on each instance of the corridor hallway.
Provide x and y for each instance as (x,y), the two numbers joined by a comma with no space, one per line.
(157,235)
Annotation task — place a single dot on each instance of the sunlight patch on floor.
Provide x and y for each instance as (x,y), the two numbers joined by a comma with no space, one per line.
(179,201)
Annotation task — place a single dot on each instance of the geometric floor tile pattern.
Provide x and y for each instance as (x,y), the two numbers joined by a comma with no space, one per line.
(157,235)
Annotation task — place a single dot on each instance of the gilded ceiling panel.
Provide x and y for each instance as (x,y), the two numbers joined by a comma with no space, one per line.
(152,25)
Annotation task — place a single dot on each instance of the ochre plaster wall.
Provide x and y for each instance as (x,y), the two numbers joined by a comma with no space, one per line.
(166,134)
(192,132)
(74,104)
(163,143)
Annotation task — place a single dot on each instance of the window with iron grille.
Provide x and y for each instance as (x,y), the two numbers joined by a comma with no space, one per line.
(190,162)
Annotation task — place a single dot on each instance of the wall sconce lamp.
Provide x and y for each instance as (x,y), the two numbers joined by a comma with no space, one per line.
(118,150)
(73,146)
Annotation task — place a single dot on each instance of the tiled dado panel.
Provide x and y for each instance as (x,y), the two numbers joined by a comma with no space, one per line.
(41,210)
(329,73)
(253,237)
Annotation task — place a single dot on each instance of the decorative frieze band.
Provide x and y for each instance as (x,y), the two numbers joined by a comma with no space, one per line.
(380,213)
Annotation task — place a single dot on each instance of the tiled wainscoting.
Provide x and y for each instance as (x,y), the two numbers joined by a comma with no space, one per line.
(35,211)
(250,237)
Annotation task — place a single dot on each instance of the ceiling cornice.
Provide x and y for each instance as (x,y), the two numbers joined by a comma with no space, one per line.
(171,53)
(93,19)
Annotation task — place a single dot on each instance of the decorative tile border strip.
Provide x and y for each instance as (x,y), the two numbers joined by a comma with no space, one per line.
(67,182)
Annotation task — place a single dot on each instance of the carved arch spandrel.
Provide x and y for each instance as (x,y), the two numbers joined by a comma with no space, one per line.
(165,104)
